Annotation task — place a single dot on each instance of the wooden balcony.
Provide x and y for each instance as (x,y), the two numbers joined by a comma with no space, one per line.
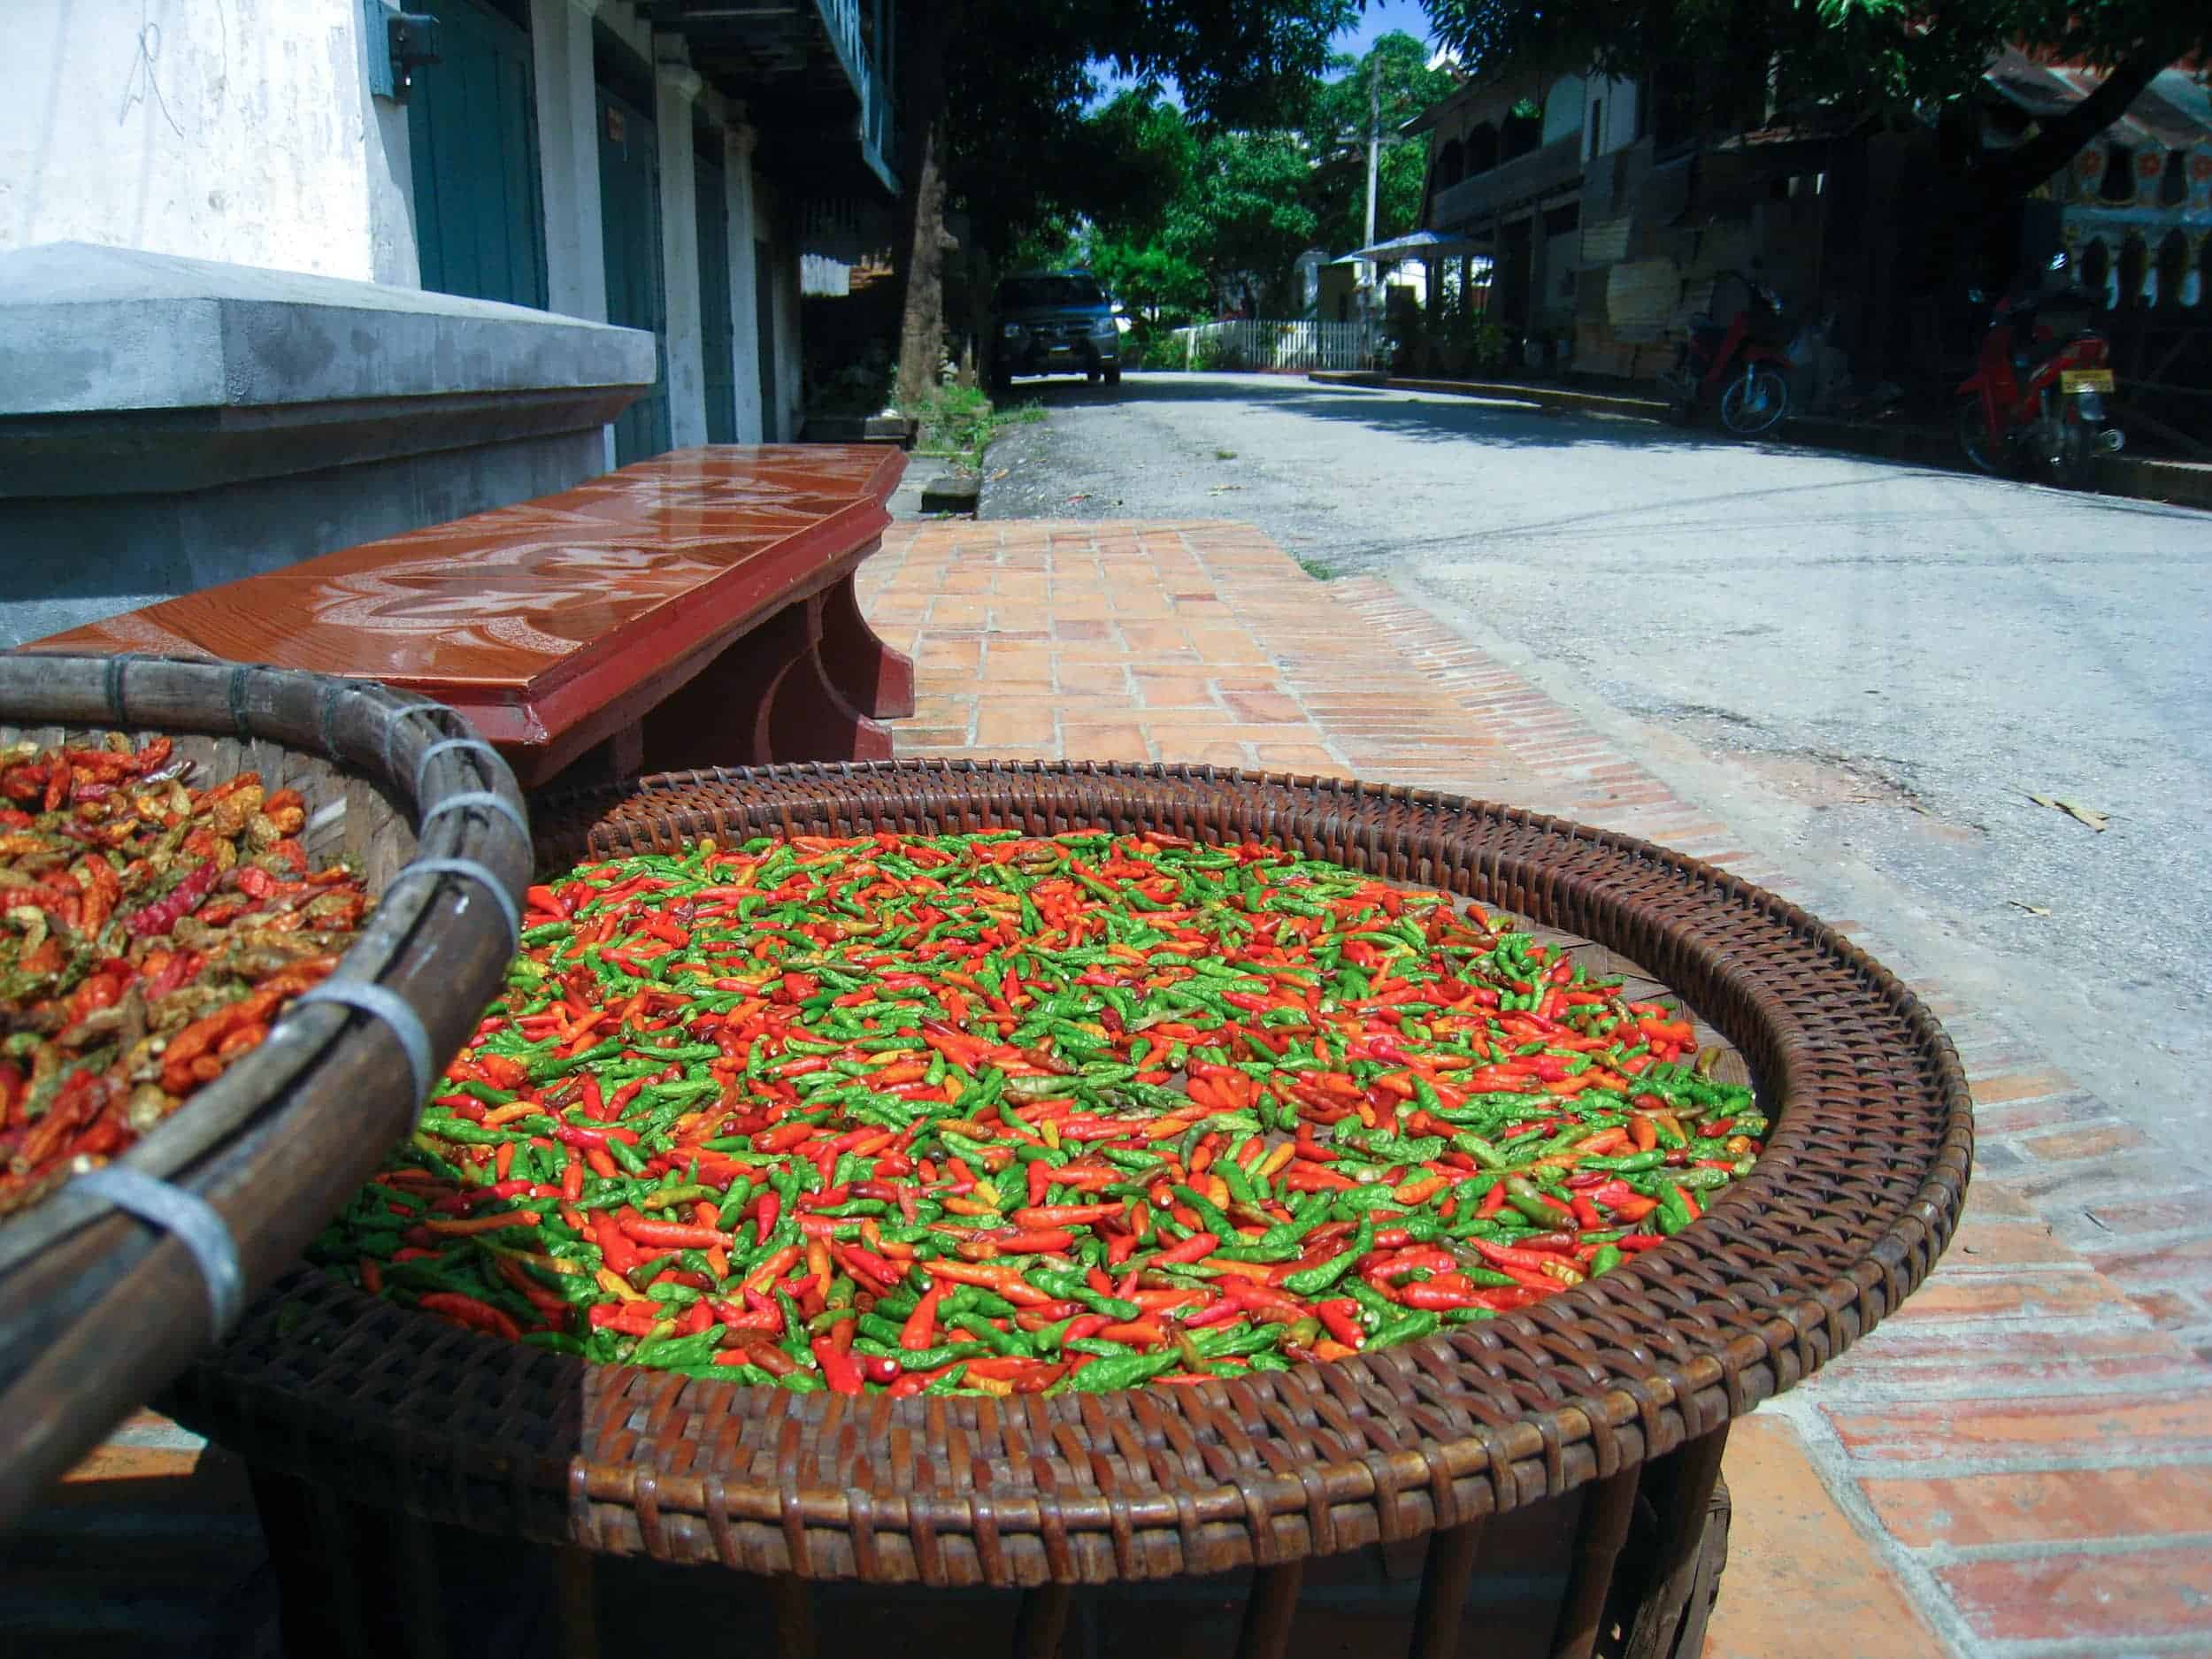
(1467,205)
(811,72)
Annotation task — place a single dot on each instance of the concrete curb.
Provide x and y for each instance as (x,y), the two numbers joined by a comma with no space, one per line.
(2178,483)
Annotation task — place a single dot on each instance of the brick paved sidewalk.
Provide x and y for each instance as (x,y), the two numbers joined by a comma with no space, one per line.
(2020,1464)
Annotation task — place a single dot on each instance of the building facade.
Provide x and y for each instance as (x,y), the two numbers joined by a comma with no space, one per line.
(578,208)
(1614,220)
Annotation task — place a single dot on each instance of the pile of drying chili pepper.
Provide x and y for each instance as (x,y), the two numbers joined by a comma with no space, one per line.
(148,933)
(994,1112)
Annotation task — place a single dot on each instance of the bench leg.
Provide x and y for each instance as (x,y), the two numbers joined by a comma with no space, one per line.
(874,679)
(768,697)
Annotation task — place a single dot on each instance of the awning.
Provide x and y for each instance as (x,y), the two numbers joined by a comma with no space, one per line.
(1419,244)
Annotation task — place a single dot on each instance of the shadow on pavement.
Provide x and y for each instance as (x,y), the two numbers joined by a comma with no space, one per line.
(1446,418)
(1424,417)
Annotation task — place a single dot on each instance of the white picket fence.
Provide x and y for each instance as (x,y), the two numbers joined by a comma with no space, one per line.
(1252,343)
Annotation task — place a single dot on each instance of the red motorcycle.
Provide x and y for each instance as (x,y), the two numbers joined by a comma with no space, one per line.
(1744,366)
(2036,397)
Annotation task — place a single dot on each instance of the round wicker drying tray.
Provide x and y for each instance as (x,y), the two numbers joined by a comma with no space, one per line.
(98,1309)
(1855,1196)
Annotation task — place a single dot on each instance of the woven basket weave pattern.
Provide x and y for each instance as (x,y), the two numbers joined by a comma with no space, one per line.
(1856,1194)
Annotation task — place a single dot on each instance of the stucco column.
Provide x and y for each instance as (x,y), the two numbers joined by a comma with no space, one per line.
(674,87)
(568,157)
(745,341)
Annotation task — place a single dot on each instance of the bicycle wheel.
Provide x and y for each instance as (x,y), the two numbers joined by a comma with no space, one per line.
(1753,402)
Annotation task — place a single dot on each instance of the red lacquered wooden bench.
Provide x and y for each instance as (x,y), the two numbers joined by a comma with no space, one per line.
(693,610)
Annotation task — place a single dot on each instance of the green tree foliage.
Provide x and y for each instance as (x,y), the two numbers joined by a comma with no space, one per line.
(1886,58)
(993,97)
(1394,73)
(1219,214)
(1247,217)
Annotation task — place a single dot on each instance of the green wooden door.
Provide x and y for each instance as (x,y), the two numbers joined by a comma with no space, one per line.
(471,129)
(630,227)
(716,335)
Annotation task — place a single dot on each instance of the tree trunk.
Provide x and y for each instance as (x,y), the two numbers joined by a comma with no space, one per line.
(922,264)
(2004,178)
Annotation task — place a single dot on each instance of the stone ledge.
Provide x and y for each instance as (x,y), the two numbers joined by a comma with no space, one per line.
(128,371)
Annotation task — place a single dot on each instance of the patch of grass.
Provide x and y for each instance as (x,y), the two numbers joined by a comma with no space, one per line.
(1319,571)
(1224,455)
(959,423)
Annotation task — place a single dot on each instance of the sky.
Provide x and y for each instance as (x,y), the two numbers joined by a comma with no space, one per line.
(1380,17)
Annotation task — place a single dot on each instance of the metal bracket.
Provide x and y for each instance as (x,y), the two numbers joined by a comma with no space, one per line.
(398,42)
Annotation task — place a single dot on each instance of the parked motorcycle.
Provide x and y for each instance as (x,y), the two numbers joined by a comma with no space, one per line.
(2036,397)
(1743,366)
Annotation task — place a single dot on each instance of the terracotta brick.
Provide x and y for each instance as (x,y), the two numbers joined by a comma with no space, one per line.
(959,612)
(2170,1309)
(2154,1215)
(1219,646)
(1104,680)
(1258,706)
(2109,1425)
(1109,650)
(1992,1089)
(1155,637)
(2186,1262)
(1176,724)
(1158,688)
(2043,1506)
(997,722)
(2000,1355)
(1994,1240)
(2103,1598)
(2097,1141)
(950,663)
(2065,1109)
(1801,1583)
(1302,756)
(1117,741)
(2012,1296)
(1009,665)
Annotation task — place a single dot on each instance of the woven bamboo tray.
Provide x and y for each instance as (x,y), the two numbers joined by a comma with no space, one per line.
(98,1309)
(1855,1196)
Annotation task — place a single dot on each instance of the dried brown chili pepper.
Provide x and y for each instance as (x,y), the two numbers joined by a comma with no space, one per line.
(140,922)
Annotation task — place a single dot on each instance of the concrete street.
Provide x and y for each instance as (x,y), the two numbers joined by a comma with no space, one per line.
(1866,668)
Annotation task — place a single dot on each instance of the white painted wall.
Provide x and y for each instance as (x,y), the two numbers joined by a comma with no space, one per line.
(568,157)
(1609,114)
(674,89)
(1563,107)
(243,130)
(222,129)
(737,184)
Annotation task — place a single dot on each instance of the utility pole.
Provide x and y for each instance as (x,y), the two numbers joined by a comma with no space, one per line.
(1374,153)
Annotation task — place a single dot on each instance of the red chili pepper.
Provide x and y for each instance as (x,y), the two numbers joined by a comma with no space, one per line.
(165,912)
(837,1370)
